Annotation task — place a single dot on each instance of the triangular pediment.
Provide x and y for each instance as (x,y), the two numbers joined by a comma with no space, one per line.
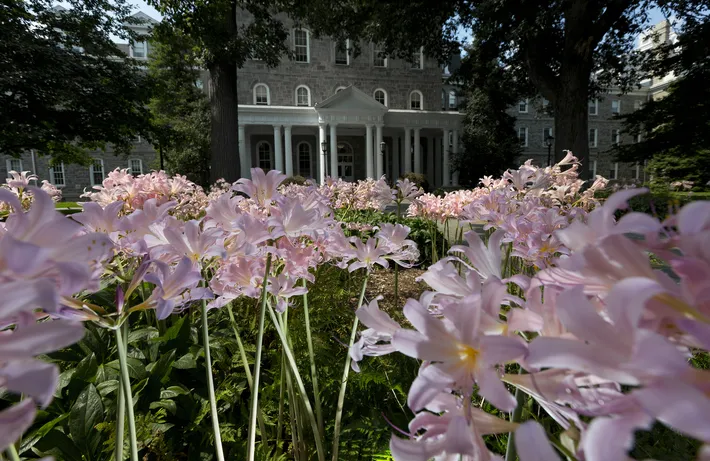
(141,19)
(351,99)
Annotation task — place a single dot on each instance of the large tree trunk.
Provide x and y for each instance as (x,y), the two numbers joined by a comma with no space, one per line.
(571,118)
(224,143)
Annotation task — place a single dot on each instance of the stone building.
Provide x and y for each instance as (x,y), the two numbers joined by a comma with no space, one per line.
(325,111)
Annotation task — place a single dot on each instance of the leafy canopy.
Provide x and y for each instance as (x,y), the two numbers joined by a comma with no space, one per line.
(63,88)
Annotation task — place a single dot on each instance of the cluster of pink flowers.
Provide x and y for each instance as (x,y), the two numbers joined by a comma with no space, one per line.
(604,338)
(18,184)
(365,194)
(134,191)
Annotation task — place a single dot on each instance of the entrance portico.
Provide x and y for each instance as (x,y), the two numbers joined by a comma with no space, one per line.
(349,135)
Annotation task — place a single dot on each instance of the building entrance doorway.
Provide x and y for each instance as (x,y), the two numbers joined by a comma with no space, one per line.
(346,169)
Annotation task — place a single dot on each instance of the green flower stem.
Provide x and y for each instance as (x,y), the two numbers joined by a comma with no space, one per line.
(210,384)
(251,443)
(299,383)
(311,356)
(126,383)
(247,370)
(12,453)
(280,419)
(121,411)
(510,451)
(346,371)
(296,412)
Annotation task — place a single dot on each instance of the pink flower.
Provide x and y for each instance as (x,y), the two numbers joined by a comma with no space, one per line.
(174,288)
(282,288)
(263,188)
(367,255)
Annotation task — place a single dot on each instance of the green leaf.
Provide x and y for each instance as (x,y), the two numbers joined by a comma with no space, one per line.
(161,368)
(169,405)
(30,440)
(87,368)
(64,379)
(185,362)
(87,412)
(108,387)
(57,443)
(142,334)
(173,391)
(136,369)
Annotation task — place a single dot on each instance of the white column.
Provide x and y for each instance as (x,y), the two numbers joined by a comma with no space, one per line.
(243,167)
(368,152)
(278,153)
(417,151)
(446,168)
(407,154)
(430,160)
(397,141)
(321,164)
(333,151)
(288,151)
(380,155)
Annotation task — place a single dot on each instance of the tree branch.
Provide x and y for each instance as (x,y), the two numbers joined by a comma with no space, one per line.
(614,10)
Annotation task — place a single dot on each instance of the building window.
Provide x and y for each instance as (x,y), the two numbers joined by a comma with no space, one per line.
(546,133)
(301,47)
(637,104)
(379,58)
(453,100)
(262,96)
(616,106)
(523,106)
(263,151)
(136,166)
(418,61)
(14,164)
(97,172)
(592,137)
(523,136)
(342,55)
(416,100)
(381,96)
(545,103)
(637,138)
(139,50)
(615,137)
(303,96)
(614,173)
(56,175)
(593,107)
(304,159)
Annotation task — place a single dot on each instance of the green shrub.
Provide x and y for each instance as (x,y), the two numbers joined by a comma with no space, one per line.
(418,179)
(300,180)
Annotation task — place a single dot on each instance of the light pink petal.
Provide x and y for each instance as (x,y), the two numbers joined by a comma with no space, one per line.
(493,390)
(532,444)
(609,439)
(524,320)
(426,387)
(502,349)
(694,217)
(423,321)
(39,338)
(15,420)
(627,299)
(412,450)
(34,378)
(459,437)
(580,318)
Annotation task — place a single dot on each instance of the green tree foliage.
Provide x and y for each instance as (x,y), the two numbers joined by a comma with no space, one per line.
(180,110)
(62,89)
(491,144)
(675,130)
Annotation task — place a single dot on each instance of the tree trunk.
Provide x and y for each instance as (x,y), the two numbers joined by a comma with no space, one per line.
(224,143)
(571,119)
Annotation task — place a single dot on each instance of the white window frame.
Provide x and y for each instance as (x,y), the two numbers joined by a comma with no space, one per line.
(8,164)
(421,99)
(130,166)
(596,137)
(271,154)
(637,138)
(544,135)
(308,45)
(420,53)
(52,178)
(145,50)
(618,108)
(347,54)
(375,52)
(268,94)
(308,94)
(596,107)
(527,105)
(525,130)
(616,170)
(448,100)
(616,139)
(374,94)
(594,169)
(310,159)
(100,161)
